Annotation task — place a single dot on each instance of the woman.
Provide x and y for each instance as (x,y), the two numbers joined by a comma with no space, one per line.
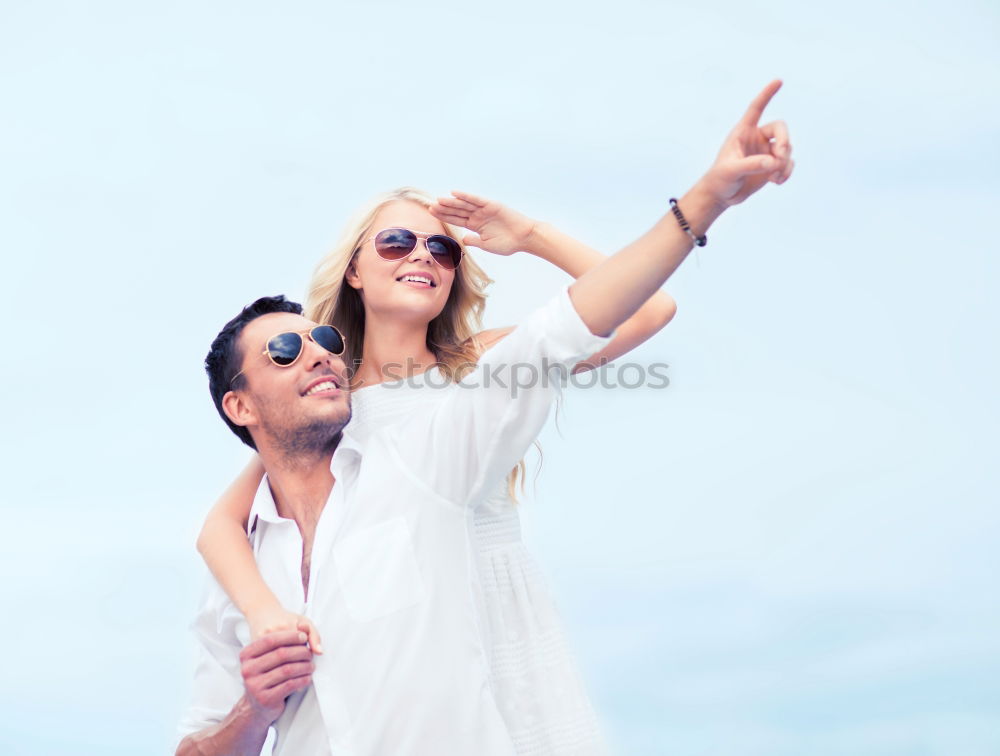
(411,307)
(393,326)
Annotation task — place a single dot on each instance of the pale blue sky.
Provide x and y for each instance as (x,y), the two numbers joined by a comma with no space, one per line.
(791,550)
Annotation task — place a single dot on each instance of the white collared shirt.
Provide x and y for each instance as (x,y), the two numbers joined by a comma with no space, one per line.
(392,569)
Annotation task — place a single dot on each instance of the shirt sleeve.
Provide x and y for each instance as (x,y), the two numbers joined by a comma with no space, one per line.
(218,681)
(479,432)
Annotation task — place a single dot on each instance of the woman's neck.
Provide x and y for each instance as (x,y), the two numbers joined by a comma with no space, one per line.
(392,349)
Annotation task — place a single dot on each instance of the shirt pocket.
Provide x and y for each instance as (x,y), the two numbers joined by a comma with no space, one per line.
(378,570)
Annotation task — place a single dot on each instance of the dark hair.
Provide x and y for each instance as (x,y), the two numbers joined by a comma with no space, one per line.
(225,357)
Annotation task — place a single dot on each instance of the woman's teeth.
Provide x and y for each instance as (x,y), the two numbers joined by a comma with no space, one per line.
(418,279)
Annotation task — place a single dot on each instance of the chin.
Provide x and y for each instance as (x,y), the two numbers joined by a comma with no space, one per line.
(338,414)
(412,308)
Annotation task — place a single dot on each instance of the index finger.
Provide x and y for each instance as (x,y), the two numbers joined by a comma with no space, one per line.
(760,102)
(470,198)
(271,641)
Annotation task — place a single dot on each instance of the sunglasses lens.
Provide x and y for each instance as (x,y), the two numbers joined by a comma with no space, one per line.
(447,252)
(284,348)
(329,338)
(395,243)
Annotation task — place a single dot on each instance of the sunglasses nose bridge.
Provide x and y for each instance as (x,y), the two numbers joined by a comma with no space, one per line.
(420,251)
(313,351)
(315,354)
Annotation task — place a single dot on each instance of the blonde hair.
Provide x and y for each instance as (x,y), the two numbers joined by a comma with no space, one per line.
(451,336)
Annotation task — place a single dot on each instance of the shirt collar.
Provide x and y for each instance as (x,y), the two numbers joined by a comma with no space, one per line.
(348,450)
(263,506)
(347,453)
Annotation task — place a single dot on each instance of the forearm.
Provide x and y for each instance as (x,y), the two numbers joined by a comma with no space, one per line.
(562,250)
(224,547)
(241,733)
(223,543)
(576,258)
(610,293)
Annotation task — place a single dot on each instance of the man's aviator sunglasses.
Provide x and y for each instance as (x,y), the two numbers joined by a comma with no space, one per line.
(285,348)
(397,243)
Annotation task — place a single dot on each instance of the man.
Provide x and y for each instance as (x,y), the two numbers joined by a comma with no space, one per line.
(371,544)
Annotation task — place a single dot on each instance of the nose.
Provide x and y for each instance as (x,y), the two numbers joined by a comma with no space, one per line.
(316,356)
(313,353)
(420,252)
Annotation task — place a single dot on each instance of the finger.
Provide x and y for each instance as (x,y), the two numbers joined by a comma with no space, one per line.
(756,109)
(474,199)
(274,659)
(279,693)
(786,173)
(271,641)
(735,169)
(780,163)
(778,132)
(439,210)
(286,672)
(453,218)
(270,696)
(306,626)
(472,240)
(458,204)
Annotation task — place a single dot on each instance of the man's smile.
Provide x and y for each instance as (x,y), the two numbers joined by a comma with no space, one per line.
(325,385)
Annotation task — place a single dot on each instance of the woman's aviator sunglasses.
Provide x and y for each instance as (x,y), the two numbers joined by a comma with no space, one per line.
(285,348)
(397,243)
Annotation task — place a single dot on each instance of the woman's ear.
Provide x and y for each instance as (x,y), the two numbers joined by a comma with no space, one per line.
(351,275)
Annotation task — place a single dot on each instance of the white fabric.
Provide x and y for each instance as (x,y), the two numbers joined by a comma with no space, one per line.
(393,585)
(536,682)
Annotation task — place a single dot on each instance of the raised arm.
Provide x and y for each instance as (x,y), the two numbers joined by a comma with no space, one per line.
(224,547)
(610,293)
(623,292)
(502,230)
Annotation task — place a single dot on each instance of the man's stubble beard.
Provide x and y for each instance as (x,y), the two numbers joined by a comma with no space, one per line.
(312,438)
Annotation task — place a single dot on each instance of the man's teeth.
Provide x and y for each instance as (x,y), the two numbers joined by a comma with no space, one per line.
(324,386)
(418,279)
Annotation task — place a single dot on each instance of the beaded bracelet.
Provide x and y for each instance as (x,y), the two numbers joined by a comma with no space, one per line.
(699,241)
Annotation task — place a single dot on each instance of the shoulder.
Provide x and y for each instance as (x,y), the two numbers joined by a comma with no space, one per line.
(491,336)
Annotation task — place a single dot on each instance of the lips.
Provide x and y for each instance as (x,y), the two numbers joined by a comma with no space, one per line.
(420,279)
(322,385)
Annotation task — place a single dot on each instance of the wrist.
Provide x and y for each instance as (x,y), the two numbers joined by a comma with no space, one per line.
(253,718)
(538,241)
(262,608)
(701,208)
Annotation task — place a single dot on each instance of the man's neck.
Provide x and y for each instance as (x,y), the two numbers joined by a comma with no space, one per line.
(300,484)
(300,481)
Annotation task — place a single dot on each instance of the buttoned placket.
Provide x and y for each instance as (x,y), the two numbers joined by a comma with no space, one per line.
(330,695)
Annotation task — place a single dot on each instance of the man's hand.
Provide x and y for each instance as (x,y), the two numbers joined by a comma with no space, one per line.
(274,666)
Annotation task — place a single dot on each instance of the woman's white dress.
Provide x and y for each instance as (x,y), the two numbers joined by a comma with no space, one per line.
(535,679)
